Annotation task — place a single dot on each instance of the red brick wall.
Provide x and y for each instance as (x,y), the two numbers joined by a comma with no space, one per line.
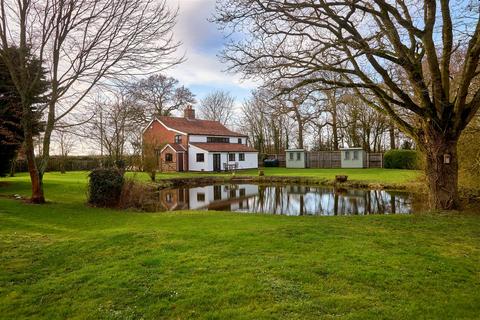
(158,135)
(168,166)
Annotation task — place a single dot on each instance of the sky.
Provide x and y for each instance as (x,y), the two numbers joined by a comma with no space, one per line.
(202,42)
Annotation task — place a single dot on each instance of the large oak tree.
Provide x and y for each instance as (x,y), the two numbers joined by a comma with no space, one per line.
(396,55)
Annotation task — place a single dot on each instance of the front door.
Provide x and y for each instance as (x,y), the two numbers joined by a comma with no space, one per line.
(216,162)
(180,161)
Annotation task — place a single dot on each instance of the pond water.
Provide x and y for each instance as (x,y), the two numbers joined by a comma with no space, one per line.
(291,200)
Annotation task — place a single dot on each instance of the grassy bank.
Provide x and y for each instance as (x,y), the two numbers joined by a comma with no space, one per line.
(365,175)
(66,260)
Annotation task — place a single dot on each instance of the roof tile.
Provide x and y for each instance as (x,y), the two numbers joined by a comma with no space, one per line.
(197,126)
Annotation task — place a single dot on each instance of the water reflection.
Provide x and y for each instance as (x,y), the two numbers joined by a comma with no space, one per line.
(288,200)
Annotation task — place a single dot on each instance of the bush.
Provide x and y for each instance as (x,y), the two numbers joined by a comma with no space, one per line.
(140,196)
(105,187)
(401,159)
(469,157)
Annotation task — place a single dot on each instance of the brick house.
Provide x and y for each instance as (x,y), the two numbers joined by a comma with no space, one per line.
(190,144)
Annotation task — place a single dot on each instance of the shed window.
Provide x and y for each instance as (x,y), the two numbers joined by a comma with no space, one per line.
(347,155)
(299,156)
(231,157)
(355,155)
(168,157)
(291,155)
(241,157)
(201,197)
(200,157)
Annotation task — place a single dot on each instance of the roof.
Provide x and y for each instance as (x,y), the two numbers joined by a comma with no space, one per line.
(353,148)
(293,150)
(197,126)
(223,147)
(175,146)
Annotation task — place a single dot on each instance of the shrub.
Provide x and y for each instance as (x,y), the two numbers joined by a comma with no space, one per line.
(105,187)
(469,156)
(401,159)
(140,196)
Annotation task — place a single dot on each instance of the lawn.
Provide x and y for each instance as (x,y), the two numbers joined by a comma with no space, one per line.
(66,260)
(376,175)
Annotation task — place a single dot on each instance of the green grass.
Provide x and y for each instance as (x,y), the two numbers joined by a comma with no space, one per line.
(365,175)
(66,260)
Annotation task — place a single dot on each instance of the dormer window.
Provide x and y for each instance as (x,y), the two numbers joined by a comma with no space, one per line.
(178,139)
(218,140)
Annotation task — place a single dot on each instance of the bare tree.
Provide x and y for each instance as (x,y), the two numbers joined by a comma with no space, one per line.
(218,106)
(83,43)
(268,131)
(395,55)
(162,95)
(66,143)
(115,125)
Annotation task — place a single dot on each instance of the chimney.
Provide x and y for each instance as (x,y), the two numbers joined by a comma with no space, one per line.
(189,113)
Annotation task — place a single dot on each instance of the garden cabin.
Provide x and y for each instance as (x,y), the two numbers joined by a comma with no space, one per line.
(353,158)
(295,158)
(190,144)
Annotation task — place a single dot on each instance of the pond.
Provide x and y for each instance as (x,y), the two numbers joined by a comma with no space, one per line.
(294,200)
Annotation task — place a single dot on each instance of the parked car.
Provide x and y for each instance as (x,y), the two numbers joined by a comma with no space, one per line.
(270,163)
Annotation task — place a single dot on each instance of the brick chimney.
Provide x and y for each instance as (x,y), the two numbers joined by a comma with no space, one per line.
(189,113)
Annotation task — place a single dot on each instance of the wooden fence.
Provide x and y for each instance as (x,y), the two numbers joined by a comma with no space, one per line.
(331,159)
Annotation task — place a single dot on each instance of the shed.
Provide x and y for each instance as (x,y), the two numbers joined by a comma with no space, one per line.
(353,158)
(296,158)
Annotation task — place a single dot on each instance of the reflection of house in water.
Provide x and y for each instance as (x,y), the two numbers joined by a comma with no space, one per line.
(174,199)
(215,197)
(231,197)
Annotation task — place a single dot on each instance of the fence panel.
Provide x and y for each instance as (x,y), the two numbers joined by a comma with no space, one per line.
(375,160)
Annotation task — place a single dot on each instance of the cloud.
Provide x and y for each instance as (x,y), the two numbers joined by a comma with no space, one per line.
(201,44)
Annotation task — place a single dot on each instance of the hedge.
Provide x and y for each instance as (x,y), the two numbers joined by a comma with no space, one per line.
(401,159)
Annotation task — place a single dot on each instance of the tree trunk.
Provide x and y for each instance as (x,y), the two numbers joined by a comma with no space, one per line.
(300,133)
(391,131)
(335,128)
(35,175)
(442,177)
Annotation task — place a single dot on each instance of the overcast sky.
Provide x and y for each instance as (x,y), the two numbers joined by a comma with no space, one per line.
(202,42)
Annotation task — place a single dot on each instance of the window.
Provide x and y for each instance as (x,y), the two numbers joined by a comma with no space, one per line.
(218,140)
(168,157)
(242,192)
(241,157)
(239,140)
(291,155)
(200,157)
(347,155)
(355,155)
(201,197)
(169,198)
(217,192)
(178,138)
(299,156)
(231,157)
